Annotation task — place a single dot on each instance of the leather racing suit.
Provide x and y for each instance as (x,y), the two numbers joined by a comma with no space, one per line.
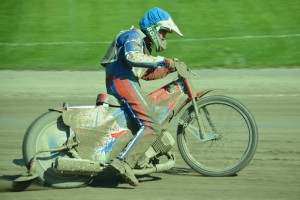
(126,61)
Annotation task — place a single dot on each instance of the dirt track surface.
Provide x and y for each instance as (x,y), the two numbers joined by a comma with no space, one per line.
(272,95)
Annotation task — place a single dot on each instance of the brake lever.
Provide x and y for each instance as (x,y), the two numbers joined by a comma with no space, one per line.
(194,73)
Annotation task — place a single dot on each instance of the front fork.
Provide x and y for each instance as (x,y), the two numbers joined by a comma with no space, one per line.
(200,132)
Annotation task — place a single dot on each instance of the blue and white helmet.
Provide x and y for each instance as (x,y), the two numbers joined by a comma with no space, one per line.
(154,20)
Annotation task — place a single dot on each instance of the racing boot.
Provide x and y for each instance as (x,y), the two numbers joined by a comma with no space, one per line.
(121,167)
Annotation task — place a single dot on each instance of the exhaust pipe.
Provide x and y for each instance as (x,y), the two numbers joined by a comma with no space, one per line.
(75,166)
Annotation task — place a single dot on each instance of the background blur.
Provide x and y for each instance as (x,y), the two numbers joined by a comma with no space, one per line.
(75,34)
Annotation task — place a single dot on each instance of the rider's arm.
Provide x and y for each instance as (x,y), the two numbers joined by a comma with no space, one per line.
(139,59)
(135,56)
(155,73)
(156,66)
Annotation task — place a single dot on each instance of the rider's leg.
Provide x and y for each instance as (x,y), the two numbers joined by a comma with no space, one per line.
(137,103)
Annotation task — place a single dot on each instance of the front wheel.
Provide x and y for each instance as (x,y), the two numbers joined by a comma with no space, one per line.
(48,132)
(234,142)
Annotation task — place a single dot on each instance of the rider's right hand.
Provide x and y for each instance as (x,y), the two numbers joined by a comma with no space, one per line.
(170,63)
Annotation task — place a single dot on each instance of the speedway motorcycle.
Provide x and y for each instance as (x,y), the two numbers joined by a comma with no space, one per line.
(69,146)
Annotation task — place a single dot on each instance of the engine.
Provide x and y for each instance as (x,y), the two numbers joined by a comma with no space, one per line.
(160,147)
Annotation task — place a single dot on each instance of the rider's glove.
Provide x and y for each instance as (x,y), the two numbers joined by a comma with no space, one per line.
(170,63)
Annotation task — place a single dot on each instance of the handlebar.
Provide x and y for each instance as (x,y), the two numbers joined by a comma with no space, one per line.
(182,69)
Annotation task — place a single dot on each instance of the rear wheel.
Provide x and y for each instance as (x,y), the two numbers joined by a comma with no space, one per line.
(233,129)
(49,132)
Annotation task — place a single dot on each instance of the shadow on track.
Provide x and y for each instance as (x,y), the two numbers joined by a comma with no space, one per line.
(7,183)
(116,182)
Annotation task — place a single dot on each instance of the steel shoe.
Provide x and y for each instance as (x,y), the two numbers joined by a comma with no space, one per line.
(121,167)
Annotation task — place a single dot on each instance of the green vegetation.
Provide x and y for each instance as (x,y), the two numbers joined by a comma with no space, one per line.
(75,34)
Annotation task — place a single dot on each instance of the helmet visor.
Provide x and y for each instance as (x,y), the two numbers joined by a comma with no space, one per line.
(169,26)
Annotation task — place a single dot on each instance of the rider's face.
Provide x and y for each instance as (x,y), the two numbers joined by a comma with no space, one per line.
(162,34)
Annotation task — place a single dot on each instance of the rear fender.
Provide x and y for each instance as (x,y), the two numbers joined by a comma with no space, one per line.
(91,117)
(101,130)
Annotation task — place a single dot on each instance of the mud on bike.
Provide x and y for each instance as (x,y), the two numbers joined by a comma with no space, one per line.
(69,146)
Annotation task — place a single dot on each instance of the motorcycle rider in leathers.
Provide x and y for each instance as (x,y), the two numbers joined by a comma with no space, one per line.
(127,60)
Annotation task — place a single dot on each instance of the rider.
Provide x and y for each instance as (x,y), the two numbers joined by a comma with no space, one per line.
(126,61)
